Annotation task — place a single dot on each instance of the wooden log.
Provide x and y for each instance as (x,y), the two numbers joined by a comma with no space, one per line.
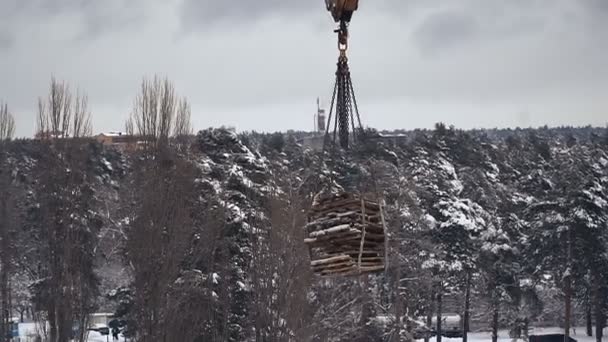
(356,240)
(330,260)
(332,230)
(352,268)
(334,266)
(335,238)
(340,212)
(324,223)
(356,234)
(352,253)
(372,220)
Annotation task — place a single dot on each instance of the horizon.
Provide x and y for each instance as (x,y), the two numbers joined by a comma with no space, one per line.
(96,133)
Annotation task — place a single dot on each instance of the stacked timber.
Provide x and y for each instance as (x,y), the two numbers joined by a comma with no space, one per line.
(345,235)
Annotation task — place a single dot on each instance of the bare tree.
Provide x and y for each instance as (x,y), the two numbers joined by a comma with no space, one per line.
(158,238)
(68,223)
(282,275)
(81,122)
(63,116)
(157,114)
(154,111)
(7,123)
(183,126)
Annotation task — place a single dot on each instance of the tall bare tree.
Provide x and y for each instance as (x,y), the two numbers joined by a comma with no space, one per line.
(157,113)
(282,276)
(7,123)
(63,116)
(182,131)
(68,224)
(158,238)
(183,119)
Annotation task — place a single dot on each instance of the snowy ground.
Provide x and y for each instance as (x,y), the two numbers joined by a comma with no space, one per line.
(503,336)
(96,337)
(27,333)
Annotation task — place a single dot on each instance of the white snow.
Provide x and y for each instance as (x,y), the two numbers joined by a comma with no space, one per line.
(597,200)
(107,164)
(28,332)
(503,335)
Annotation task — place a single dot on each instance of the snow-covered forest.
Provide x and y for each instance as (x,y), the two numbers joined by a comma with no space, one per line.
(200,237)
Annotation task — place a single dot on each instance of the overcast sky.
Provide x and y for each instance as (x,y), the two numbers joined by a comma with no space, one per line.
(260,64)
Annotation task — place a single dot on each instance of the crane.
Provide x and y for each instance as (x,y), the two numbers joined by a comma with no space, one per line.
(346,231)
(347,122)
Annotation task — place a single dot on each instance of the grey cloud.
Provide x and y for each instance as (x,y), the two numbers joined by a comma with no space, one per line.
(202,13)
(600,5)
(465,22)
(97,17)
(6,41)
(446,28)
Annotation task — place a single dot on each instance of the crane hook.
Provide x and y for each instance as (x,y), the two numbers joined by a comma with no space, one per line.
(342,32)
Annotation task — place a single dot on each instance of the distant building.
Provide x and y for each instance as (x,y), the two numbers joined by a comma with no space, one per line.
(118,140)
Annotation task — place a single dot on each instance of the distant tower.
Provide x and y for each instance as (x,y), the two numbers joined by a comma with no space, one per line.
(320,118)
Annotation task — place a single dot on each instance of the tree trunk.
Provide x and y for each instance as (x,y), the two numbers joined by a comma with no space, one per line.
(10,302)
(589,319)
(598,306)
(429,314)
(64,324)
(3,301)
(568,306)
(467,307)
(52,321)
(439,313)
(495,309)
(600,322)
(568,288)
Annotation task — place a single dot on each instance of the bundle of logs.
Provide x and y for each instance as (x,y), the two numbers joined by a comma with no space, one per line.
(345,235)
